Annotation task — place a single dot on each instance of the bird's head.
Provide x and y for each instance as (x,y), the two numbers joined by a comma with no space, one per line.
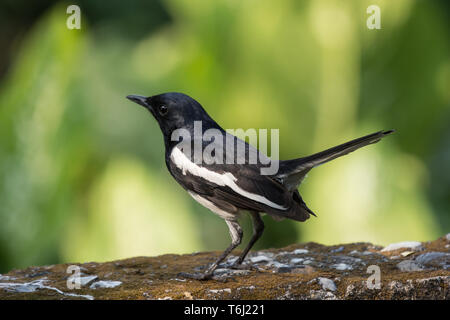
(173,111)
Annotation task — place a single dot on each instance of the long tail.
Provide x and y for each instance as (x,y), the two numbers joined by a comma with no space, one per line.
(292,172)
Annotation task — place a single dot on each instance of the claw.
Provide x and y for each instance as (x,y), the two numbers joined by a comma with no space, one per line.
(238,266)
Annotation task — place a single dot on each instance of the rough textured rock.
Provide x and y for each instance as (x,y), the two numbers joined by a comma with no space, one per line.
(301,271)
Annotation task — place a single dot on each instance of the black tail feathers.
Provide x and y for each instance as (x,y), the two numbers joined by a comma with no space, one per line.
(292,172)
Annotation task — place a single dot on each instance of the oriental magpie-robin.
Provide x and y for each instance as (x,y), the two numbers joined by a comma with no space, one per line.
(228,187)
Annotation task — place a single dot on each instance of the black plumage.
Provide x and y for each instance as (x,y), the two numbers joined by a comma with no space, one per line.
(234,184)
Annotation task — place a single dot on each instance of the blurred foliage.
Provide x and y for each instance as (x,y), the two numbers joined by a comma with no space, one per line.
(82,173)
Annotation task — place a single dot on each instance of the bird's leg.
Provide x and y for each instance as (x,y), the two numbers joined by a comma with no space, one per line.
(258,228)
(236,238)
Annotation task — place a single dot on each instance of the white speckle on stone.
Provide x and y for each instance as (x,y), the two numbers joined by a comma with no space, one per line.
(300,251)
(36,285)
(406,253)
(342,266)
(307,262)
(266,254)
(221,271)
(296,260)
(105,284)
(409,265)
(395,285)
(227,290)
(321,295)
(327,284)
(176,279)
(7,278)
(413,245)
(23,287)
(350,290)
(260,258)
(444,279)
(239,272)
(224,272)
(364,253)
(276,264)
(85,280)
(447,236)
(340,249)
(248,288)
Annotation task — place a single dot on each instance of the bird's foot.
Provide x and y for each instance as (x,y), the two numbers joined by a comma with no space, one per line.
(240,266)
(196,276)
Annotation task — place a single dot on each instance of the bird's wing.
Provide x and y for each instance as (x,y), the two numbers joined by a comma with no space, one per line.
(246,186)
(241,185)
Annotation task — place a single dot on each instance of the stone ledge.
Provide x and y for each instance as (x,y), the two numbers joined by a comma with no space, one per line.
(409,270)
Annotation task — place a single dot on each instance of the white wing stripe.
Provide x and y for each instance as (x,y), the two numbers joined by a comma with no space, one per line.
(225,179)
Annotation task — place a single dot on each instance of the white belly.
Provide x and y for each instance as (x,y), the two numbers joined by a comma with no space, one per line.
(211,206)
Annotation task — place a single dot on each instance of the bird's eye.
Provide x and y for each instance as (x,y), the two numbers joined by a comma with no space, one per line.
(162,110)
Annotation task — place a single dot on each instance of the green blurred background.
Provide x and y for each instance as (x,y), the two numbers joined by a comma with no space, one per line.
(82,172)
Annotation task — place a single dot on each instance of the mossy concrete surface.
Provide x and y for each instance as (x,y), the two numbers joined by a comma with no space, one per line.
(408,270)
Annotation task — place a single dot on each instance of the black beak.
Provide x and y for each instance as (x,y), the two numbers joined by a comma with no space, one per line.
(139,100)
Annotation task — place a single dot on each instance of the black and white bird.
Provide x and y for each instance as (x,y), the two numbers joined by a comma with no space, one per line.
(228,188)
